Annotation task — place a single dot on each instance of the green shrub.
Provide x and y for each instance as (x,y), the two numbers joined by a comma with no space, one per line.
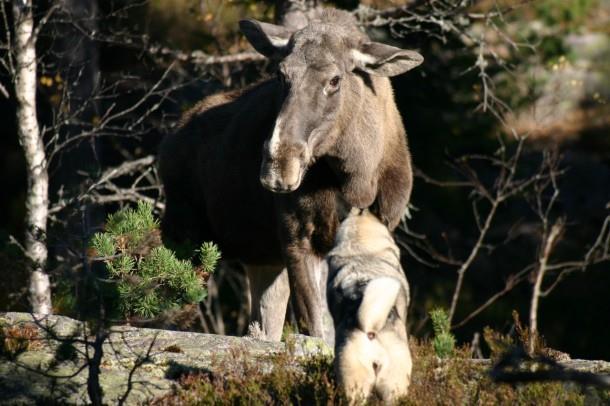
(148,277)
(444,341)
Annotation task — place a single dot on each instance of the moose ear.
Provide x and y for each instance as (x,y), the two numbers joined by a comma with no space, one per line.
(385,60)
(266,38)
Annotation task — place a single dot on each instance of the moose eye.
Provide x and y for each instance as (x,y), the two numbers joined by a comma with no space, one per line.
(334,82)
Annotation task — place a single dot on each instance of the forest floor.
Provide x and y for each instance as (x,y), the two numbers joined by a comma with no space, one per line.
(52,360)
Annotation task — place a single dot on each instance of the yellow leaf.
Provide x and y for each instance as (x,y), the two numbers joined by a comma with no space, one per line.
(46,81)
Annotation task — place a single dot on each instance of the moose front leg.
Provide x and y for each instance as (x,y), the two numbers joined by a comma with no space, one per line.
(308,275)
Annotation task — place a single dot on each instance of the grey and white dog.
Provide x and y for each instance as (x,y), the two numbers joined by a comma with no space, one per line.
(368,297)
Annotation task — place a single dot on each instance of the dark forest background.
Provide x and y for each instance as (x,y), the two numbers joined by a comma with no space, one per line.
(539,69)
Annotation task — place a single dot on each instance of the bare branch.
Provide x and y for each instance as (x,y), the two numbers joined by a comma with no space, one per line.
(473,254)
(200,58)
(105,182)
(549,242)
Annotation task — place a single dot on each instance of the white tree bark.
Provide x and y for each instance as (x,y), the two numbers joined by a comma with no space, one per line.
(30,139)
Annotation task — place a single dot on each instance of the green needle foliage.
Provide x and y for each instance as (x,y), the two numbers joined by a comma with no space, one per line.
(209,256)
(149,278)
(444,341)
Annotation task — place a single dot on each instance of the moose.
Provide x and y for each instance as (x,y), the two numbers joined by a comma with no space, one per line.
(368,297)
(268,172)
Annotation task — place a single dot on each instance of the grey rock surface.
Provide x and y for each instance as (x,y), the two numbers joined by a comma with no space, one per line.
(148,360)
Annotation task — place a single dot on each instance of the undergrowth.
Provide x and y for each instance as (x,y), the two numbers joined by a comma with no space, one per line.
(276,379)
(283,379)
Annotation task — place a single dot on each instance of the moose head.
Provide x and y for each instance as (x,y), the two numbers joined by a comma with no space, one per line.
(320,70)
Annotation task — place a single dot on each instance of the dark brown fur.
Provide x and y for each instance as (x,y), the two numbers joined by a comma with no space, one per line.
(211,166)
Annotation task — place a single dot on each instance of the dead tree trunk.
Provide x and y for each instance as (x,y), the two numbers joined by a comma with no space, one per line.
(37,199)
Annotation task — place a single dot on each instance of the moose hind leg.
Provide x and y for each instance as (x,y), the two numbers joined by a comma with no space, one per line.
(269,292)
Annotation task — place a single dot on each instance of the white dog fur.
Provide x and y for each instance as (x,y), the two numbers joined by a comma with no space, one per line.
(368,296)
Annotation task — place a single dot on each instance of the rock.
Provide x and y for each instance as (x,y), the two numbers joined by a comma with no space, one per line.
(154,358)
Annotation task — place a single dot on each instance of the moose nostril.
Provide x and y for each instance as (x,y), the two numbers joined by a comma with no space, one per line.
(371,335)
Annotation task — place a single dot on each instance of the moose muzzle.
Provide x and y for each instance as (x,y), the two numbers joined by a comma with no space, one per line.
(283,166)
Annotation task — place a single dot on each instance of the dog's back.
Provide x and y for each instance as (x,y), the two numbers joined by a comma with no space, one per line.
(368,297)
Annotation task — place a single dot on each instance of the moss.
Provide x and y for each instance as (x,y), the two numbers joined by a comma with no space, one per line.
(308,346)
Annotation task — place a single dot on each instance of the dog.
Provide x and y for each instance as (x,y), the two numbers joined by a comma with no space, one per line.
(368,297)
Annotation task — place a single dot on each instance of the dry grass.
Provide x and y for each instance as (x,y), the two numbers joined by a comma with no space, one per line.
(17,339)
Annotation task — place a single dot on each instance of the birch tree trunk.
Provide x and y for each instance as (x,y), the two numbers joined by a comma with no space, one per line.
(30,139)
